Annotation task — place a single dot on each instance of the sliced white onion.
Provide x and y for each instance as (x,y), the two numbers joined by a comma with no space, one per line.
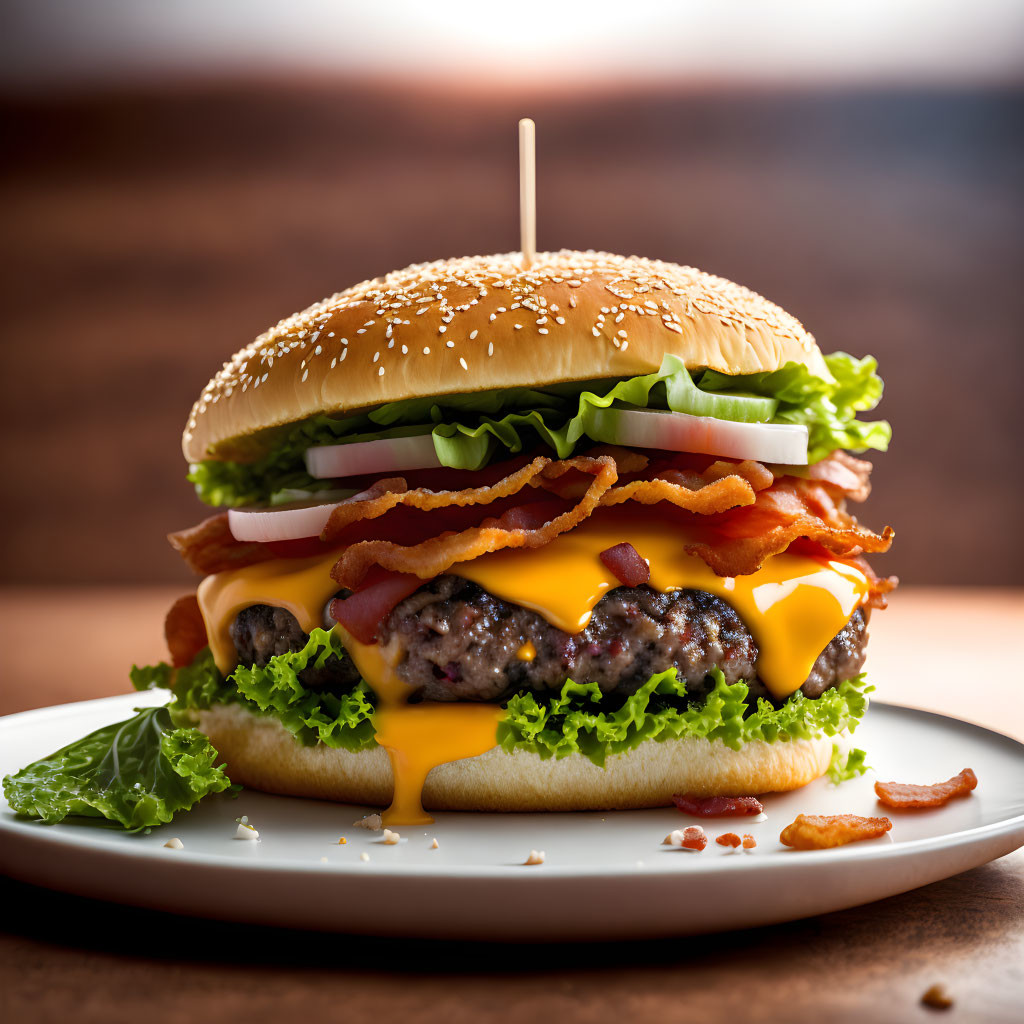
(295,521)
(264,525)
(681,432)
(380,456)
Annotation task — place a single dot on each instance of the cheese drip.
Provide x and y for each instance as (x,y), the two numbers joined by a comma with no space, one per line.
(794,605)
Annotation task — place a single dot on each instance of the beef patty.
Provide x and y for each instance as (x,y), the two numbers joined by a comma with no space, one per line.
(456,641)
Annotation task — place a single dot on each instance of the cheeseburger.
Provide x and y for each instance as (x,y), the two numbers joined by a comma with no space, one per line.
(566,536)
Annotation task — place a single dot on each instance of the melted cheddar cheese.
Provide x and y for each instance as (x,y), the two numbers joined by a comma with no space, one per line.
(794,605)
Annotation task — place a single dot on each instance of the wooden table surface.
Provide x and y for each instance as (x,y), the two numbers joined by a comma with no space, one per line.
(68,959)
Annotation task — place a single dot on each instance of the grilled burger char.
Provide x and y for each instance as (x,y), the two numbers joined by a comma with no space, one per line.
(455,641)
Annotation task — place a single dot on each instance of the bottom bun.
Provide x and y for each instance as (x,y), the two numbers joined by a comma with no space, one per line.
(261,754)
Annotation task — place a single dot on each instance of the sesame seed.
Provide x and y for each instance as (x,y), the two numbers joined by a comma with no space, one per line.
(442,329)
(305,373)
(426,350)
(318,350)
(380,371)
(405,350)
(490,348)
(450,344)
(462,363)
(518,327)
(542,330)
(622,334)
(376,356)
(595,332)
(472,335)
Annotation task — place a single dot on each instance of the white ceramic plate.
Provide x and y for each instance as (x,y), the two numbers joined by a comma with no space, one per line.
(605,876)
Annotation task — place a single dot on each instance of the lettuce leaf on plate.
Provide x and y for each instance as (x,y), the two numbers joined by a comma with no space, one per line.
(139,773)
(846,764)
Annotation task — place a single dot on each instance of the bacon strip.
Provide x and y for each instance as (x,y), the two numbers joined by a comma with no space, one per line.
(823,831)
(717,806)
(209,547)
(363,611)
(734,515)
(737,542)
(903,795)
(184,630)
(432,557)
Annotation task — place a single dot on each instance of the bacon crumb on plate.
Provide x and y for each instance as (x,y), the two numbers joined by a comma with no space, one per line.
(729,839)
(822,831)
(937,998)
(718,806)
(903,795)
(749,842)
(691,838)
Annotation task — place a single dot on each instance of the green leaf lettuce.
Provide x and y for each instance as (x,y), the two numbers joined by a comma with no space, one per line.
(470,430)
(139,773)
(578,719)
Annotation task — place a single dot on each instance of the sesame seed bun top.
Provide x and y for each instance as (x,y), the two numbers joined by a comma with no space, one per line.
(482,322)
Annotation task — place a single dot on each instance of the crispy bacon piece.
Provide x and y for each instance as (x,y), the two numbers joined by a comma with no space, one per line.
(737,542)
(691,838)
(362,613)
(844,474)
(718,806)
(184,631)
(432,557)
(729,839)
(821,831)
(625,562)
(903,795)
(379,500)
(717,496)
(749,842)
(694,838)
(209,547)
(734,515)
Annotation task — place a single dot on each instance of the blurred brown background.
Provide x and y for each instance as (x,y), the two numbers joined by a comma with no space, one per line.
(156,219)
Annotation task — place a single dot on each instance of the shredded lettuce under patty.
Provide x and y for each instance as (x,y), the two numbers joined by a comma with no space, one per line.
(142,772)
(578,720)
(471,430)
(311,716)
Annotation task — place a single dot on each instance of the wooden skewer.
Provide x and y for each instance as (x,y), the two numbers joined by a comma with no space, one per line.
(527,191)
